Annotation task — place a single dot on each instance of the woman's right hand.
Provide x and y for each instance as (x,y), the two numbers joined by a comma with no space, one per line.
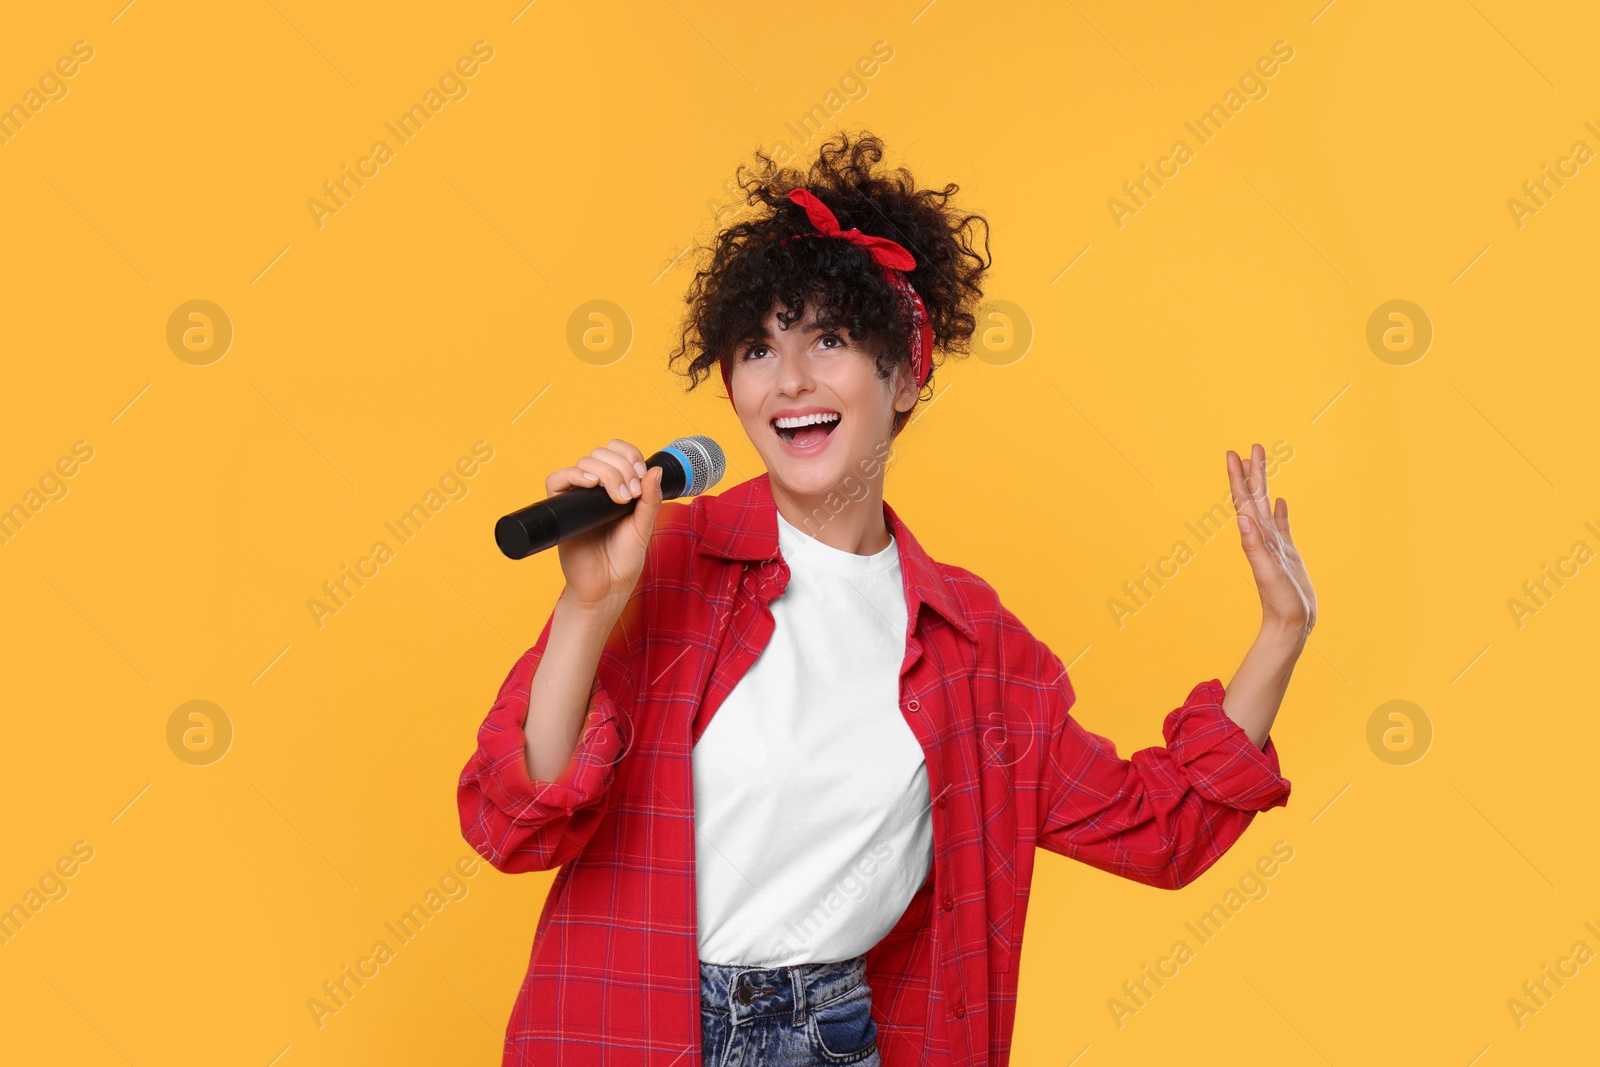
(603,565)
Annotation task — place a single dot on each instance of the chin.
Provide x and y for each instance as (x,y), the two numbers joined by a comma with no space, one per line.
(815,477)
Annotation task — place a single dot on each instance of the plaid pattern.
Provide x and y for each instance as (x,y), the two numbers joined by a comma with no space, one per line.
(614,973)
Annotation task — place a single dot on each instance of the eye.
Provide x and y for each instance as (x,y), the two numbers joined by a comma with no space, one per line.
(833,337)
(750,352)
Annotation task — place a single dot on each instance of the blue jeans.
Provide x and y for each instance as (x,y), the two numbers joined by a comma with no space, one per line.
(796,1016)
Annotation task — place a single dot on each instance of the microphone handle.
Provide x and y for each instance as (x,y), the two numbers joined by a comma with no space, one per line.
(577,511)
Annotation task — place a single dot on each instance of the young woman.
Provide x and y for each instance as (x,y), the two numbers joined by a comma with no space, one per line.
(794,771)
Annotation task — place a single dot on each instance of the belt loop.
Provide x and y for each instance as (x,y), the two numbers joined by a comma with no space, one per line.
(798,984)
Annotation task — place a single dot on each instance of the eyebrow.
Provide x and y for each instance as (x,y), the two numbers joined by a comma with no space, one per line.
(809,326)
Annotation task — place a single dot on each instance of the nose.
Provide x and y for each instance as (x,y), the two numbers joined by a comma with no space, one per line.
(794,372)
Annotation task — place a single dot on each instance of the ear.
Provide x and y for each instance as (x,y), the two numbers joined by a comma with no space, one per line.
(906,391)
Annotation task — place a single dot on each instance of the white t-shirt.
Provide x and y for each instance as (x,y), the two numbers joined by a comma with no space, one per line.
(812,829)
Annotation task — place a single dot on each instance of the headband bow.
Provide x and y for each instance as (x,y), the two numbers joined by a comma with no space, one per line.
(892,260)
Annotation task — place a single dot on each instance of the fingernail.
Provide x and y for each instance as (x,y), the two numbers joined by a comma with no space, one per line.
(641,468)
(635,485)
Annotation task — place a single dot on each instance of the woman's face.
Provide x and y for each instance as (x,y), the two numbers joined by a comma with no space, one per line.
(807,374)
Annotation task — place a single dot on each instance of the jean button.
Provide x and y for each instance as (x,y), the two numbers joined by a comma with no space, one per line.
(745,994)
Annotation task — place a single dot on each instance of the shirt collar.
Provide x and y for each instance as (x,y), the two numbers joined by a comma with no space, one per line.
(742,524)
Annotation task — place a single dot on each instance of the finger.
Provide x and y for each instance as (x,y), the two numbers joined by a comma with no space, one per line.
(1280,518)
(567,478)
(644,515)
(632,454)
(609,475)
(622,460)
(630,477)
(1250,533)
(1240,482)
(1260,502)
(1258,482)
(1247,532)
(1236,481)
(632,469)
(1241,507)
(605,475)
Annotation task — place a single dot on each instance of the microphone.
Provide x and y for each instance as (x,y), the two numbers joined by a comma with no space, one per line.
(689,466)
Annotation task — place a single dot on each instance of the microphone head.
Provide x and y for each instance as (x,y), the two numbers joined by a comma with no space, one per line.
(703,461)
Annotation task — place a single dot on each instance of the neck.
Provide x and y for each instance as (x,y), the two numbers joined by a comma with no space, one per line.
(859,526)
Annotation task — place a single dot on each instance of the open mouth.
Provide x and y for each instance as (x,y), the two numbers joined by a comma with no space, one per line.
(806,431)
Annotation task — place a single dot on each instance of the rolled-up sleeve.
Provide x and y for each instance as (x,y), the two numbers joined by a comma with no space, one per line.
(1166,814)
(1218,757)
(518,823)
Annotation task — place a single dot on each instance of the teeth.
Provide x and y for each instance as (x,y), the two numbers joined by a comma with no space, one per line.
(805,420)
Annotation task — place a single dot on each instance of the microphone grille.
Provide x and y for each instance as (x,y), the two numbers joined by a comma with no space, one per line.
(706,462)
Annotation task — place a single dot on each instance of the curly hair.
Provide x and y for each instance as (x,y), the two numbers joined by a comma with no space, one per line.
(752,270)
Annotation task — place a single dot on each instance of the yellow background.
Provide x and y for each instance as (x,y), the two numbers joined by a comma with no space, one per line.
(431,311)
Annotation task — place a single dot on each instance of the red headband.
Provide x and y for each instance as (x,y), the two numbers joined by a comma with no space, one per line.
(892,259)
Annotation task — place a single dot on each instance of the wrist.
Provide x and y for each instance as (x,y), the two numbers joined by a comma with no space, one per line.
(1280,637)
(590,615)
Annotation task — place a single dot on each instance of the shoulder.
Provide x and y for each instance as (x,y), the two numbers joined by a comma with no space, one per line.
(1016,673)
(1001,635)
(972,593)
(978,601)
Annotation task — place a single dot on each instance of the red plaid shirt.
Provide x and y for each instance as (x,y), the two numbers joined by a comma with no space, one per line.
(614,974)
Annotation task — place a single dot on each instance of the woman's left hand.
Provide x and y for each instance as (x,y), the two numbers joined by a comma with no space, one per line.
(1288,603)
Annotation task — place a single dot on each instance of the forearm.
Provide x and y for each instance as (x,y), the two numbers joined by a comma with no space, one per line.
(1256,691)
(559,694)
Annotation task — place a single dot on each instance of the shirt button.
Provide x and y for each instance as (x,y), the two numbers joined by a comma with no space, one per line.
(913,705)
(943,800)
(949,903)
(961,1010)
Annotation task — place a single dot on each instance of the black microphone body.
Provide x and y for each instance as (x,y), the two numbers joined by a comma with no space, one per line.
(689,466)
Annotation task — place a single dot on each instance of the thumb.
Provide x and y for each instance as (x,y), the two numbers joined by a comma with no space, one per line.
(644,513)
